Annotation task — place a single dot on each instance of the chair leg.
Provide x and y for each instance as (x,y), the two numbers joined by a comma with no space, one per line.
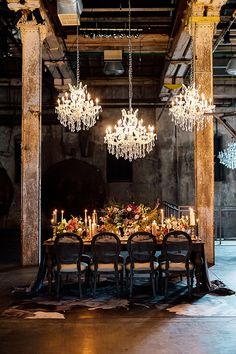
(94,283)
(80,287)
(117,281)
(131,277)
(157,281)
(188,283)
(153,284)
(166,287)
(121,281)
(58,285)
(191,281)
(127,280)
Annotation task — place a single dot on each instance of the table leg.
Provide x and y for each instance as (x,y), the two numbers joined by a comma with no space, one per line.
(198,272)
(49,273)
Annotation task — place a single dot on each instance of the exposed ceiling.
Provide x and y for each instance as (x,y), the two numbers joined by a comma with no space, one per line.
(155,25)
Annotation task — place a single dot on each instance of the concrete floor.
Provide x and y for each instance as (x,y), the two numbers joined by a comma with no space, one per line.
(140,330)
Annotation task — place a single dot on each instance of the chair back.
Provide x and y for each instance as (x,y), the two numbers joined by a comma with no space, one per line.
(68,248)
(141,246)
(106,247)
(177,247)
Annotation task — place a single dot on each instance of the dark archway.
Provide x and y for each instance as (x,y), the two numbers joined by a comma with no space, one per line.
(6,192)
(72,185)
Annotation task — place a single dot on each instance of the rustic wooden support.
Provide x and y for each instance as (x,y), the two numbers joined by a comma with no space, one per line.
(32,38)
(205,16)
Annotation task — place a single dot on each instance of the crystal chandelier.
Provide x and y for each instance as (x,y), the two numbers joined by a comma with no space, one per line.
(189,109)
(77,110)
(228,156)
(130,139)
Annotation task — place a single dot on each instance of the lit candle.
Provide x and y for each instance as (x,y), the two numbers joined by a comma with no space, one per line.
(94,228)
(85,218)
(90,226)
(62,212)
(168,224)
(162,217)
(55,216)
(94,216)
(154,228)
(191,217)
(52,221)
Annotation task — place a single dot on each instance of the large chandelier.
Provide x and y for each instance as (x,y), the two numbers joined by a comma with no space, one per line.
(130,139)
(228,156)
(189,109)
(76,110)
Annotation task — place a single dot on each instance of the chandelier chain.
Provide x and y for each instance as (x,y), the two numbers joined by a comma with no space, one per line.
(189,109)
(130,139)
(130,61)
(76,110)
(77,50)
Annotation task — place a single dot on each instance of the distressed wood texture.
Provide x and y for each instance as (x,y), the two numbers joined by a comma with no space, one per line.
(202,28)
(31,142)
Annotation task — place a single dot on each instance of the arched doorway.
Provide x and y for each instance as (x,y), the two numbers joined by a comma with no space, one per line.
(72,185)
(6,192)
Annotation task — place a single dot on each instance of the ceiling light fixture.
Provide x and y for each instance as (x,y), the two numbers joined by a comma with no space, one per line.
(231,67)
(190,109)
(228,156)
(76,110)
(130,139)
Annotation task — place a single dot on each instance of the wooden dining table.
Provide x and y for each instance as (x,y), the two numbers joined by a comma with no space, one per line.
(48,262)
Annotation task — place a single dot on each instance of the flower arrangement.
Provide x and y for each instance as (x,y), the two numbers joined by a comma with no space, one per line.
(127,216)
(174,223)
(75,224)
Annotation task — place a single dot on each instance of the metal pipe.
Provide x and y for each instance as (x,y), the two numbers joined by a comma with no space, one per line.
(226,125)
(224,31)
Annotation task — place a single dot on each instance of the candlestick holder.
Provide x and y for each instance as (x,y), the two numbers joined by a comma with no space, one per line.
(193,235)
(54,231)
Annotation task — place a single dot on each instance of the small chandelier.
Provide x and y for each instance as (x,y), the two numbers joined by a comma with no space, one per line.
(228,156)
(189,109)
(77,110)
(130,139)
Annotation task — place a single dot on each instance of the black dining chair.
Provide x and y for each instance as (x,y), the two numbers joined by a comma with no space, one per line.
(68,252)
(175,258)
(106,247)
(141,247)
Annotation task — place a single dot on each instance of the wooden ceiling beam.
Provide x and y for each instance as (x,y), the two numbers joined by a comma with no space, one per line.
(145,20)
(145,43)
(126,9)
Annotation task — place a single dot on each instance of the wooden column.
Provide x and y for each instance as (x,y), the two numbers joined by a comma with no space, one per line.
(32,36)
(205,15)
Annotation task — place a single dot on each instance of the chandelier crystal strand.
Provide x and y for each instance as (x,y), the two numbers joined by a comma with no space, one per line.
(228,156)
(76,110)
(130,139)
(189,109)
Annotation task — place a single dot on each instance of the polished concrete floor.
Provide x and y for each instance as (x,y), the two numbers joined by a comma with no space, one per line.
(195,328)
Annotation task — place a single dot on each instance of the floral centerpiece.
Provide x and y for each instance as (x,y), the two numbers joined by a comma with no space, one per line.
(130,217)
(75,224)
